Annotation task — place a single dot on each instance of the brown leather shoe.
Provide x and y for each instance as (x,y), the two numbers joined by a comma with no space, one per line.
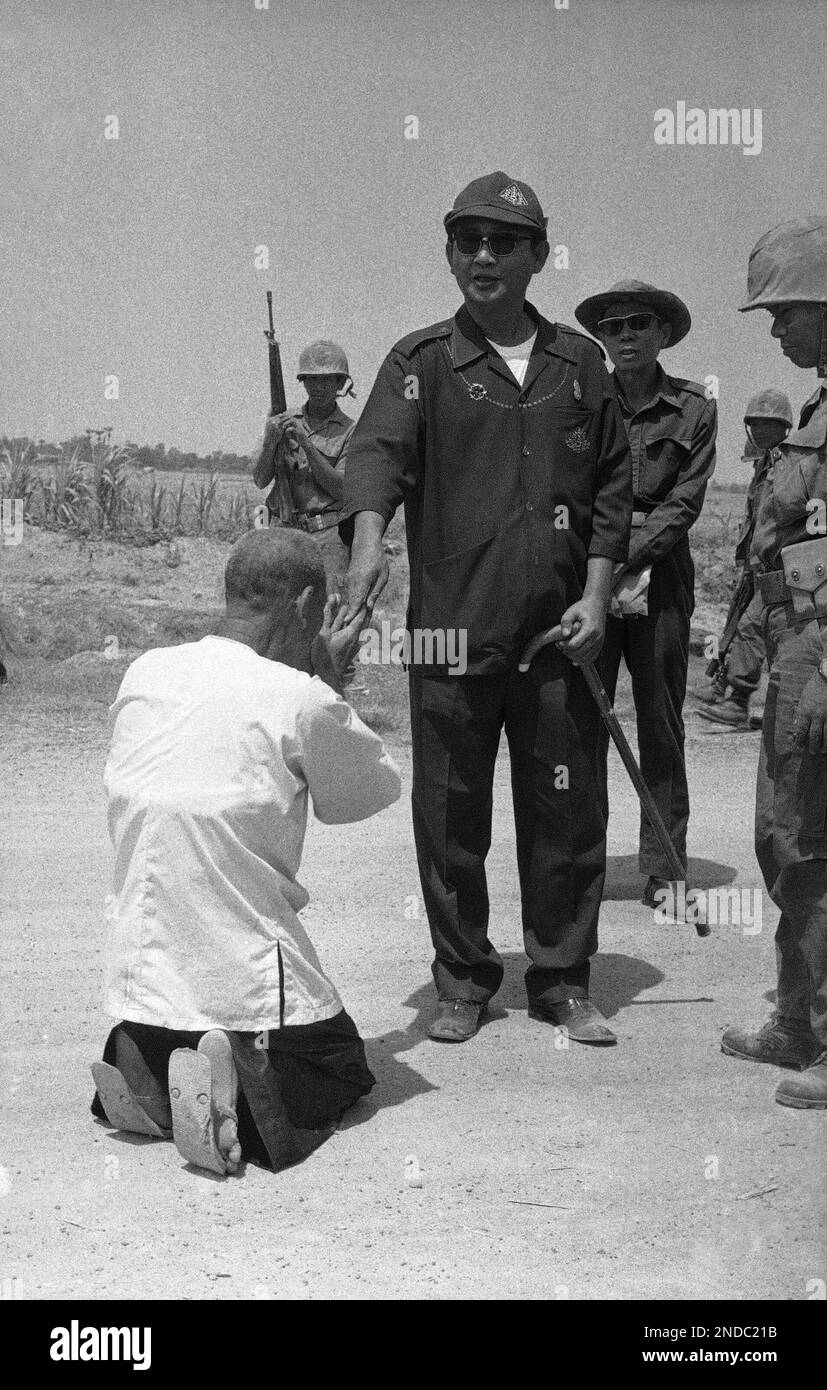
(807,1091)
(456,1020)
(581,1019)
(782,1042)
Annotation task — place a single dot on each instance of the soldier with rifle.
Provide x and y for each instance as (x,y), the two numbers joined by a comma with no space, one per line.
(736,670)
(788,277)
(303,451)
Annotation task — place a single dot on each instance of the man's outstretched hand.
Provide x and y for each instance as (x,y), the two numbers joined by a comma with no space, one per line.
(364,582)
(368,570)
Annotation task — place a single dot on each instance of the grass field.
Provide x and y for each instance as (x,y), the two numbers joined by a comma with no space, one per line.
(110,497)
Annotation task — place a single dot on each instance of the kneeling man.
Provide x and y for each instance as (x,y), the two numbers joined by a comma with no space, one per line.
(231,1039)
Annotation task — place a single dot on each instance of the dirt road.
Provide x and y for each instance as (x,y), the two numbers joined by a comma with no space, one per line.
(628,1173)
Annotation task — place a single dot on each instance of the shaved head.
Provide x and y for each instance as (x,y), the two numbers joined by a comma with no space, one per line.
(269,568)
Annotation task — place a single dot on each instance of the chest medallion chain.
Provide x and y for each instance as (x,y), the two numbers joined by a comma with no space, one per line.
(478,392)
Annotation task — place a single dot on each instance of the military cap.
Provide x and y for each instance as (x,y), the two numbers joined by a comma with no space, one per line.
(667,307)
(498,198)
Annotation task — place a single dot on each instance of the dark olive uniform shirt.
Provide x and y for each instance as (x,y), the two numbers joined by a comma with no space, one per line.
(798,475)
(508,489)
(331,437)
(672,439)
(760,468)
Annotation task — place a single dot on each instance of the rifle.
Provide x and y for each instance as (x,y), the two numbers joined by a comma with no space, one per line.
(278,405)
(739,603)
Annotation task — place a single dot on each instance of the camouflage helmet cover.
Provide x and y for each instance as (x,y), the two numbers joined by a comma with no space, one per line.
(769,405)
(788,265)
(323,358)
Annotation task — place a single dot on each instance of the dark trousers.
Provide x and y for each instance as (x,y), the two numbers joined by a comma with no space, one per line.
(298,1078)
(656,651)
(746,657)
(791,823)
(550,722)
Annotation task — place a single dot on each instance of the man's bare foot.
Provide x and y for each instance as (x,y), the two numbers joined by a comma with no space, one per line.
(216,1046)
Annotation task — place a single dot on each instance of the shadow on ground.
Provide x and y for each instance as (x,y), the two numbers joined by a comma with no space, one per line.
(625,882)
(616,981)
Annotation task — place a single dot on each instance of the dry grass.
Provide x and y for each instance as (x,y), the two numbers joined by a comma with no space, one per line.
(67,593)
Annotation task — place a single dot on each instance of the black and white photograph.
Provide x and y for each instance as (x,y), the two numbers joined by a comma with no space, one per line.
(413,668)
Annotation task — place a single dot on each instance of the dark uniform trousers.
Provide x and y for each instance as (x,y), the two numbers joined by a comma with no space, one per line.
(550,721)
(656,652)
(747,654)
(791,822)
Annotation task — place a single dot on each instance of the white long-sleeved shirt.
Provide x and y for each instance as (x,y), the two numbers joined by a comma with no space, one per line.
(214,751)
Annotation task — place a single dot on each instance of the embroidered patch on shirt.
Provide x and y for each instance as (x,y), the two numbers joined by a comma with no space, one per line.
(577,441)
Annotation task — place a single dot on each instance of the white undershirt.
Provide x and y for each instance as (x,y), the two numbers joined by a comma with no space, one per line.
(516,355)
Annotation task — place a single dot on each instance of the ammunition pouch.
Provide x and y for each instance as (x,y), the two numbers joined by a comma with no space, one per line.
(805,573)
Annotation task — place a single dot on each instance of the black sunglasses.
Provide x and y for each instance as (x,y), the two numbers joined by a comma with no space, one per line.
(612,328)
(498,243)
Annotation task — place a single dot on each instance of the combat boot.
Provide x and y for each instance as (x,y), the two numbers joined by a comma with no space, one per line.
(733,711)
(807,1091)
(782,1042)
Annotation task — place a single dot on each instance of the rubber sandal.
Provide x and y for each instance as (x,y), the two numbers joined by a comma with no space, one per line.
(122,1109)
(195,1117)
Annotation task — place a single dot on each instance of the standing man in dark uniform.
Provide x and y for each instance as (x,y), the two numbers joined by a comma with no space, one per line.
(671,425)
(500,432)
(768,420)
(788,276)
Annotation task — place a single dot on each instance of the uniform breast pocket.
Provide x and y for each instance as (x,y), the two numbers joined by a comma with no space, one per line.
(663,461)
(795,481)
(573,439)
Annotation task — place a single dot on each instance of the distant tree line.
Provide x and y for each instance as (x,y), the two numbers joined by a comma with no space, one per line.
(156,456)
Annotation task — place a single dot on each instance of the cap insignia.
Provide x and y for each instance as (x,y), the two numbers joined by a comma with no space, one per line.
(514,196)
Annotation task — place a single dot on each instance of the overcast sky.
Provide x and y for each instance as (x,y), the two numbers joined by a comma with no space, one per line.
(285,127)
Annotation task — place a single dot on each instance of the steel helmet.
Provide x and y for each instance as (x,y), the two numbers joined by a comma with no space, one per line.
(788,265)
(769,405)
(324,358)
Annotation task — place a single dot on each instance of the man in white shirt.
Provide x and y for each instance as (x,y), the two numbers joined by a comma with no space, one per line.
(215,747)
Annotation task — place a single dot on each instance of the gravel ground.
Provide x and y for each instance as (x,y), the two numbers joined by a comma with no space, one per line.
(506,1168)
